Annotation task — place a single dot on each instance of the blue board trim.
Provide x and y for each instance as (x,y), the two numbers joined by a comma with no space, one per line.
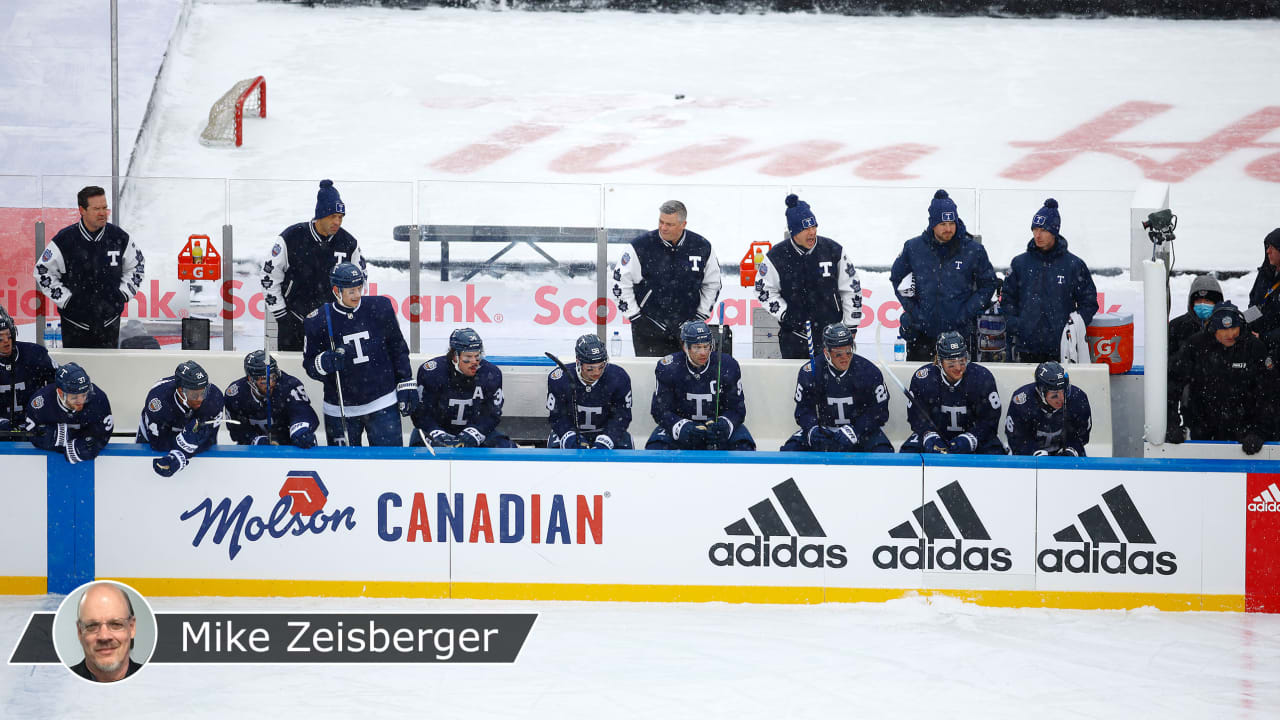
(70,524)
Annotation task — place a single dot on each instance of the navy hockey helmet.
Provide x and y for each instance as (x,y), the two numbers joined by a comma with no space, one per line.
(191,376)
(72,379)
(694,332)
(950,346)
(836,335)
(7,323)
(465,340)
(346,275)
(1051,376)
(258,362)
(589,350)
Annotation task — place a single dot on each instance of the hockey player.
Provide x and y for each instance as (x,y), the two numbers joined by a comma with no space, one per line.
(295,279)
(844,405)
(24,369)
(90,270)
(1049,416)
(957,407)
(600,394)
(270,407)
(354,346)
(71,416)
(461,397)
(697,401)
(665,278)
(181,417)
(808,279)
(1223,372)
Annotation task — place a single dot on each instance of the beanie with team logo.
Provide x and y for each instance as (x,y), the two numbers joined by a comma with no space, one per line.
(327,201)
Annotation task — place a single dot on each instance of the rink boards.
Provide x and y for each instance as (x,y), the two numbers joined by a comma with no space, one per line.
(737,527)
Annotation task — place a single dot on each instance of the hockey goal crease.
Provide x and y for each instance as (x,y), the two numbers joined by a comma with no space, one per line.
(226,118)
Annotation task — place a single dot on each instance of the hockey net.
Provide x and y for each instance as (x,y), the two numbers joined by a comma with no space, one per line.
(226,118)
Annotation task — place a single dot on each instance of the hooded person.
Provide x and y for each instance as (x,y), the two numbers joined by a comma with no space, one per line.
(1204,296)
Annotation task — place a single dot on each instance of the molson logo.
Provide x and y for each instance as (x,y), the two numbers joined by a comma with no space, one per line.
(936,546)
(763,550)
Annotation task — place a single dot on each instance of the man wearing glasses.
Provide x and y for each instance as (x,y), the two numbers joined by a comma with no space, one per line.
(106,627)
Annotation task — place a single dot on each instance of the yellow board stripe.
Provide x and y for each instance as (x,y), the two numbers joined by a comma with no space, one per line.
(20,585)
(670,593)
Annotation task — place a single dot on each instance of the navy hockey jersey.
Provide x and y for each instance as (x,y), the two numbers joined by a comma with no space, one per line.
(377,356)
(169,424)
(289,408)
(1032,425)
(453,402)
(685,393)
(296,275)
(603,406)
(22,374)
(969,406)
(80,436)
(854,397)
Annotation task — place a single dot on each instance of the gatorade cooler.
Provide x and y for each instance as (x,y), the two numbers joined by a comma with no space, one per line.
(755,256)
(1110,338)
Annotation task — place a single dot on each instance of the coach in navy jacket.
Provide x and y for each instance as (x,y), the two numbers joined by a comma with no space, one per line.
(1045,285)
(951,280)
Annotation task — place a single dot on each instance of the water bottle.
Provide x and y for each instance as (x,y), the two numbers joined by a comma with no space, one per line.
(52,333)
(899,349)
(615,344)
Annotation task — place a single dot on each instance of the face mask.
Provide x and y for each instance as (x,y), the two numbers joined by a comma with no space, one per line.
(1203,311)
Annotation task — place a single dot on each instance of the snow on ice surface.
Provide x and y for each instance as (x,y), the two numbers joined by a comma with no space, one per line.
(911,658)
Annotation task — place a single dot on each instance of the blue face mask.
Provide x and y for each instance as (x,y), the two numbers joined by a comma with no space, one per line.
(1203,311)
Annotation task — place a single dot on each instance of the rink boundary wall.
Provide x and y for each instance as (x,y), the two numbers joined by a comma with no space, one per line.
(1189,505)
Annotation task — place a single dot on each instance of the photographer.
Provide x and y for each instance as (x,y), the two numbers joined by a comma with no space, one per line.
(1265,295)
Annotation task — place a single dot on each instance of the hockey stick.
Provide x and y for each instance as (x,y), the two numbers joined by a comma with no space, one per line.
(573,397)
(342,405)
(423,436)
(911,398)
(719,364)
(270,424)
(813,364)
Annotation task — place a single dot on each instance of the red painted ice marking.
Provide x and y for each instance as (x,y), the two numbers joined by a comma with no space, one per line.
(501,144)
(886,163)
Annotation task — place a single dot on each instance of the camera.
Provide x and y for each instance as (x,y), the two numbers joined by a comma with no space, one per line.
(1160,226)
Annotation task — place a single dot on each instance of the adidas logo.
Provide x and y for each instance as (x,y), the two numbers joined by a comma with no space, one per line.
(1090,557)
(929,554)
(760,551)
(1268,501)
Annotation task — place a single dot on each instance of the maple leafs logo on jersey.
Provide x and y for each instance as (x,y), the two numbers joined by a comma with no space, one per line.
(155,405)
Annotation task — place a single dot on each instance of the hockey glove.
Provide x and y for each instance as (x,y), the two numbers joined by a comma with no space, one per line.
(1067,452)
(261,440)
(963,443)
(170,464)
(1041,453)
(846,439)
(603,442)
(571,441)
(470,437)
(407,399)
(332,361)
(5,425)
(691,435)
(1175,434)
(440,438)
(1251,443)
(933,443)
(822,439)
(302,436)
(720,430)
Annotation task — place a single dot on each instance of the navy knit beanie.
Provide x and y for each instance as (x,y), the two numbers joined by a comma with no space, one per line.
(799,216)
(942,209)
(1047,217)
(327,201)
(1272,239)
(1225,316)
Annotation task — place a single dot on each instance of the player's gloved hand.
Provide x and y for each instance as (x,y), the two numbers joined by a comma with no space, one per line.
(1175,434)
(170,464)
(1251,443)
(692,434)
(603,442)
(963,443)
(846,438)
(261,440)
(5,425)
(302,436)
(468,438)
(719,430)
(332,361)
(1041,453)
(440,438)
(934,443)
(572,441)
(822,439)
(407,400)
(1067,452)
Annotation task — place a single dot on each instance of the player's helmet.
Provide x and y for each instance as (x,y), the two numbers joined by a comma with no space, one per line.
(694,332)
(191,376)
(590,350)
(72,379)
(951,345)
(7,323)
(257,363)
(837,335)
(465,340)
(1051,376)
(346,275)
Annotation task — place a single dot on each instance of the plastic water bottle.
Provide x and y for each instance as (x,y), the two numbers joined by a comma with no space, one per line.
(899,349)
(615,344)
(53,333)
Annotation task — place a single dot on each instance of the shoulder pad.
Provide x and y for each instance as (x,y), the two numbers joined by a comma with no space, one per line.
(557,374)
(1020,398)
(923,372)
(668,360)
(155,405)
(430,365)
(37,402)
(313,313)
(234,389)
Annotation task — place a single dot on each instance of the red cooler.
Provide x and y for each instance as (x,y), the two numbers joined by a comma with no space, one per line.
(1110,338)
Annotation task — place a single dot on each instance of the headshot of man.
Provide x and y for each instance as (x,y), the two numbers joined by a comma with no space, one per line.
(106,627)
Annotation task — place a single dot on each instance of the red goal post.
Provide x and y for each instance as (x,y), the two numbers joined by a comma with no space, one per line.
(226,118)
